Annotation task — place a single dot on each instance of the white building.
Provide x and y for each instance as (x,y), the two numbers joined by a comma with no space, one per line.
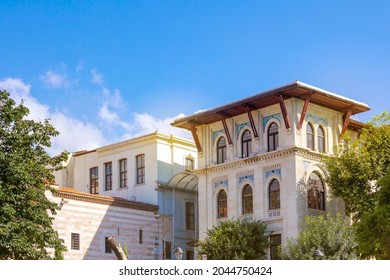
(258,158)
(85,221)
(154,169)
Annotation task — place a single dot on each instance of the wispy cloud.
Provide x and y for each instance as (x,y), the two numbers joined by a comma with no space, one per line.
(53,80)
(97,78)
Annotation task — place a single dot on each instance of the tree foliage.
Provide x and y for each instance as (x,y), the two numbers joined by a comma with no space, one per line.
(373,230)
(355,169)
(25,212)
(236,240)
(334,236)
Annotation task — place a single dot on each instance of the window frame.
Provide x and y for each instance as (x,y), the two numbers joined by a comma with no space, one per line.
(221,150)
(274,195)
(316,192)
(222,205)
(247,200)
(275,240)
(75,241)
(310,136)
(246,144)
(321,143)
(94,180)
(108,176)
(123,173)
(140,168)
(190,215)
(274,136)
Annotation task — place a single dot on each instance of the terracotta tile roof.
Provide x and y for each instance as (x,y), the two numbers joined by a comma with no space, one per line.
(70,193)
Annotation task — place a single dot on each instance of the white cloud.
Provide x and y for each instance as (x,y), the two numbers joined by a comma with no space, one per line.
(53,80)
(146,123)
(106,115)
(74,133)
(97,78)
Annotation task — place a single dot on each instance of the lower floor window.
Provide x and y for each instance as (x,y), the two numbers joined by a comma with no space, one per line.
(275,242)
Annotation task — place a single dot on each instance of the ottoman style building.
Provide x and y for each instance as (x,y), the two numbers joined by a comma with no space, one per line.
(259,157)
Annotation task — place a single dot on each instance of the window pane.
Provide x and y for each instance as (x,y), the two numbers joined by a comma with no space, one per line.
(321,140)
(315,192)
(221,150)
(222,204)
(274,195)
(94,180)
(309,136)
(247,200)
(140,161)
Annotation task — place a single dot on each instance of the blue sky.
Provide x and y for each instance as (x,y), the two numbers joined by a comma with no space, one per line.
(104,71)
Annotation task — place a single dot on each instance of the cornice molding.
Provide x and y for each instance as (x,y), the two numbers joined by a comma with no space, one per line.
(308,154)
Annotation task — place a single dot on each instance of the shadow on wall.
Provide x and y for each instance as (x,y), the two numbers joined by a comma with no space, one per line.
(86,221)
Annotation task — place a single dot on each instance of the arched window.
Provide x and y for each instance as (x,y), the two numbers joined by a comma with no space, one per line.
(273,137)
(222,204)
(247,200)
(246,144)
(321,139)
(274,194)
(309,136)
(221,150)
(315,192)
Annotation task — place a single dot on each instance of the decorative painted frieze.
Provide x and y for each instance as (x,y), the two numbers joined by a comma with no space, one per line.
(216,133)
(240,127)
(220,181)
(277,116)
(277,171)
(316,119)
(245,178)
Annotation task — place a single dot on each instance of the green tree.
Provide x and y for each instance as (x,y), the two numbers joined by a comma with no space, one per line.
(334,236)
(353,172)
(373,230)
(235,240)
(25,212)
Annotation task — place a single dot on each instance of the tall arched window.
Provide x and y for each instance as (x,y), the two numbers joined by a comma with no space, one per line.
(222,204)
(273,137)
(246,144)
(221,150)
(315,192)
(274,194)
(321,139)
(247,200)
(309,136)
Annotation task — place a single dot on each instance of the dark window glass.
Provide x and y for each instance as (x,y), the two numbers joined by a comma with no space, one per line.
(190,255)
(222,204)
(190,216)
(75,241)
(246,144)
(108,176)
(247,200)
(315,192)
(168,250)
(274,194)
(140,163)
(273,137)
(123,173)
(94,180)
(275,241)
(221,150)
(309,136)
(321,139)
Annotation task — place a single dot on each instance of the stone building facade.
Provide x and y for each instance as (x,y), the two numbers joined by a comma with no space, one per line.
(85,221)
(143,169)
(259,157)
